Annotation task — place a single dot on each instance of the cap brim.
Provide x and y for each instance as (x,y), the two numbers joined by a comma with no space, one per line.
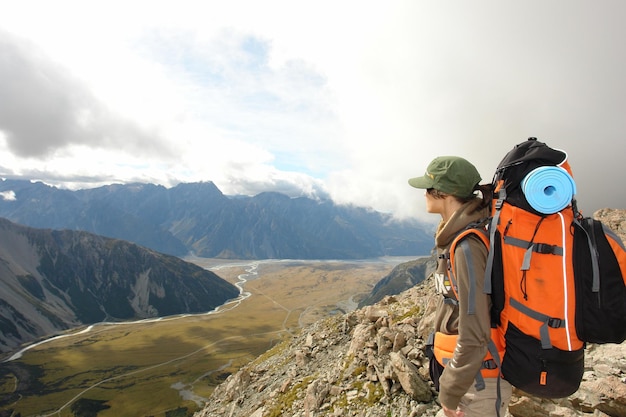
(421,182)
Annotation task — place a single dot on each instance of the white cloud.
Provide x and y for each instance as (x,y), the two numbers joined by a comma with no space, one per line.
(8,195)
(347,99)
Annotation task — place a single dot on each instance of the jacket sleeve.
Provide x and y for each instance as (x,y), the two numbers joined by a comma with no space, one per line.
(474,322)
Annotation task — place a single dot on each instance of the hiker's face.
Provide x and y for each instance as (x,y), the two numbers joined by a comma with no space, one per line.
(433,204)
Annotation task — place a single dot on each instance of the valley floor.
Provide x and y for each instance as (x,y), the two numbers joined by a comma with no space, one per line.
(152,367)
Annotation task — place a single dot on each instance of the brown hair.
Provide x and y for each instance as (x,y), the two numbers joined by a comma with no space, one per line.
(486,191)
(435,193)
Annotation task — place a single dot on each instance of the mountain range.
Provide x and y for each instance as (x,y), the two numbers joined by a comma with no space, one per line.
(53,280)
(196,218)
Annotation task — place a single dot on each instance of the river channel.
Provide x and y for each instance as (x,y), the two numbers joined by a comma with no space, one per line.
(251,268)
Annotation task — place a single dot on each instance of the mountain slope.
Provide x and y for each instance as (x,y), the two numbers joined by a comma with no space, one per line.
(371,363)
(51,280)
(197,218)
(401,278)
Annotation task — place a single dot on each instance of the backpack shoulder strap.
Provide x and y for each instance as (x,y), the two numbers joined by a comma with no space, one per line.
(493,226)
(461,241)
(473,229)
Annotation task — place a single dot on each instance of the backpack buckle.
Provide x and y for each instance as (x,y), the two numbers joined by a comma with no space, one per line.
(555,323)
(450,301)
(544,248)
(490,364)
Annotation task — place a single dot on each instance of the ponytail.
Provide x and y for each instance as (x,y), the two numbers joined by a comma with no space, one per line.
(486,195)
(486,190)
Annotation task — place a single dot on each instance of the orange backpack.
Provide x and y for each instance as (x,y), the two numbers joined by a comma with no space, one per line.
(532,272)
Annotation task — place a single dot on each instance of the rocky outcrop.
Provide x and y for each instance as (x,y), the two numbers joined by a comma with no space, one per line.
(366,363)
(614,219)
(402,277)
(371,363)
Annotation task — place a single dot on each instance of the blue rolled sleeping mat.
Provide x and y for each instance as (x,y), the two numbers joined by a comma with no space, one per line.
(548,189)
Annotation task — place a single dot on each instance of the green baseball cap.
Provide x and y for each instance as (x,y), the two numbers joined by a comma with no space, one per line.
(449,174)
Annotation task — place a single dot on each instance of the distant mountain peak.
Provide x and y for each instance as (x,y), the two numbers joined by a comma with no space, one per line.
(197,217)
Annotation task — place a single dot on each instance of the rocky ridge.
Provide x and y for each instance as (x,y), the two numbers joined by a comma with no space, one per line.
(371,363)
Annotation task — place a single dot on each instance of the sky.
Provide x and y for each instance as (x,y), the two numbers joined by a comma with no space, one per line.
(326,99)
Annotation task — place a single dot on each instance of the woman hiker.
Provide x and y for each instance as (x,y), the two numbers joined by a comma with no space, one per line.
(466,385)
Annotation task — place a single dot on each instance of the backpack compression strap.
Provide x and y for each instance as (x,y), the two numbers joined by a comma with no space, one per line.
(546,321)
(496,358)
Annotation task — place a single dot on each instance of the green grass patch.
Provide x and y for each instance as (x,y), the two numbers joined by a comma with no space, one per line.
(413,312)
(286,400)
